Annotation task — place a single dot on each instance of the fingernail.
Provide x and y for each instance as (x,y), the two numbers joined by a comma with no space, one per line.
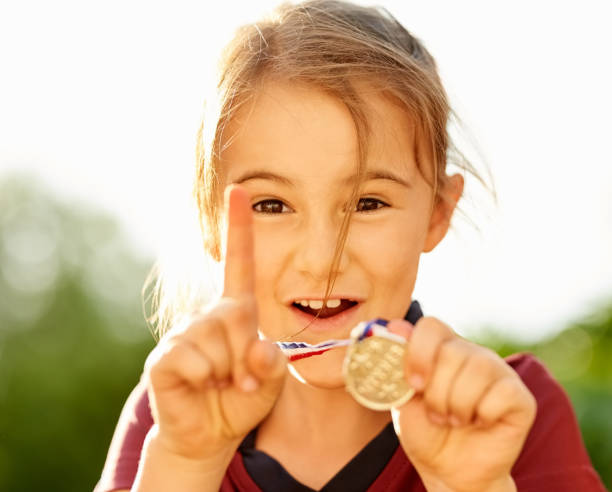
(416,381)
(249,383)
(400,327)
(437,419)
(454,421)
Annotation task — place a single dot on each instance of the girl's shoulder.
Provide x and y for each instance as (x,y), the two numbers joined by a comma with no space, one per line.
(554,456)
(532,371)
(124,453)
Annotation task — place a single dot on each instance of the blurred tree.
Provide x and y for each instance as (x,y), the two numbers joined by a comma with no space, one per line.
(73,341)
(73,338)
(579,358)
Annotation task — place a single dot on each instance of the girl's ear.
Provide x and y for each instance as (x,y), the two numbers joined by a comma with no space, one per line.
(443,211)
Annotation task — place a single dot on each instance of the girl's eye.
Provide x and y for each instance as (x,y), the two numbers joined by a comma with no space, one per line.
(270,207)
(369,204)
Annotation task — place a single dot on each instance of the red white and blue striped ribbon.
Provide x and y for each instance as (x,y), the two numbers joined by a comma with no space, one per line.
(301,350)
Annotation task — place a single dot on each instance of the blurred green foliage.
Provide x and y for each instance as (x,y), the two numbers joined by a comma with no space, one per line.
(579,357)
(73,338)
(73,341)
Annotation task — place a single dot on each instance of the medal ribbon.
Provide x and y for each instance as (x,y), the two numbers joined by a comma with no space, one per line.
(301,350)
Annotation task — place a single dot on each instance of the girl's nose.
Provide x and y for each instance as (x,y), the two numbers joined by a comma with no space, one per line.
(315,249)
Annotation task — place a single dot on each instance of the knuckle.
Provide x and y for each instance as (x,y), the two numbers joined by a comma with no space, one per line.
(459,400)
(212,325)
(451,350)
(510,387)
(428,336)
(250,304)
(502,390)
(171,351)
(160,353)
(155,364)
(417,356)
(239,315)
(462,408)
(238,312)
(414,355)
(480,363)
(436,395)
(434,401)
(203,331)
(188,323)
(434,327)
(181,325)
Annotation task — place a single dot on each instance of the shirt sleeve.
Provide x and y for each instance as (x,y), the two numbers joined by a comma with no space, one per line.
(124,453)
(554,457)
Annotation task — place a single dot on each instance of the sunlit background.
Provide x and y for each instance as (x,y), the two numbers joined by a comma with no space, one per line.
(99,106)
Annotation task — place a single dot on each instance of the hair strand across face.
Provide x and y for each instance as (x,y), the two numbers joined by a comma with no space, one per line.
(337,47)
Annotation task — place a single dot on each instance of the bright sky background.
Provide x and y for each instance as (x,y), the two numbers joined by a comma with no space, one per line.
(102,100)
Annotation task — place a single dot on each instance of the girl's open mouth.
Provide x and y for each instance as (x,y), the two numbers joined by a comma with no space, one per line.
(340,317)
(326,311)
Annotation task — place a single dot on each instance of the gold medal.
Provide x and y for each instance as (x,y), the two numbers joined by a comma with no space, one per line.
(374,370)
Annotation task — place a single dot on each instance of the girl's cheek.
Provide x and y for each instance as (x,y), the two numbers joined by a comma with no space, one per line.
(386,247)
(390,257)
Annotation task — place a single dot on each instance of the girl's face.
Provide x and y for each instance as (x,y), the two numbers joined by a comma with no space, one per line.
(295,151)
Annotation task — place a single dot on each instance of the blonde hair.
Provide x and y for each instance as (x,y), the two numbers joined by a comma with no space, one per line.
(334,46)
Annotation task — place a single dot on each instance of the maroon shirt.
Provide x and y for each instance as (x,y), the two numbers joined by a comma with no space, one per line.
(552,459)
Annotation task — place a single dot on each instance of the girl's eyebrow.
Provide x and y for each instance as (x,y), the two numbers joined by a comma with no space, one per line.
(380,174)
(257,174)
(370,175)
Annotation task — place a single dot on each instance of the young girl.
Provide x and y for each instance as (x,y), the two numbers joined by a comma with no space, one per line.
(321,179)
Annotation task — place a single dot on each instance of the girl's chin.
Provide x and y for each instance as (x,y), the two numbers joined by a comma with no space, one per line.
(321,371)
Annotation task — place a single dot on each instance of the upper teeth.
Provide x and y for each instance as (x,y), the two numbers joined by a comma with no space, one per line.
(318,304)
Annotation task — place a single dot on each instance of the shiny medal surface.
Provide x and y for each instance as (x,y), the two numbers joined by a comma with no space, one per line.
(373,367)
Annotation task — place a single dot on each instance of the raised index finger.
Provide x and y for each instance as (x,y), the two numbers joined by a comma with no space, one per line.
(239,278)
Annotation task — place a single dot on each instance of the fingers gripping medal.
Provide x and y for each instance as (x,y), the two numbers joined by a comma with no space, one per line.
(374,368)
(373,365)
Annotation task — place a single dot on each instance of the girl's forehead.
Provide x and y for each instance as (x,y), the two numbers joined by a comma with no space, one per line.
(304,129)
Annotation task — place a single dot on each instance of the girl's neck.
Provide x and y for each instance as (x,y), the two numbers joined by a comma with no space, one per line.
(318,418)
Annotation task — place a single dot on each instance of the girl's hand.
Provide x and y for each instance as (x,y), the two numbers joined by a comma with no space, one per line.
(466,425)
(210,379)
